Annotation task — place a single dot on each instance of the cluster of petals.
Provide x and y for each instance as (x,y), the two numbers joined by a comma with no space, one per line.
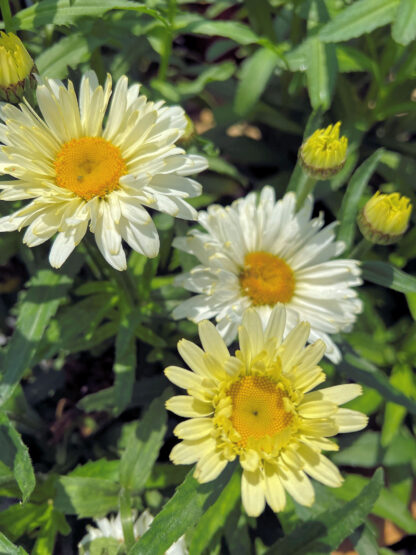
(154,172)
(272,464)
(111,527)
(324,293)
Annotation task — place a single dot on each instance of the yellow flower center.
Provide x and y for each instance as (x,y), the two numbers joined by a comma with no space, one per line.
(267,279)
(89,167)
(258,408)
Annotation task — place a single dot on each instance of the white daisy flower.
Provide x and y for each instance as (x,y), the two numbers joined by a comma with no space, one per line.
(262,253)
(78,169)
(111,528)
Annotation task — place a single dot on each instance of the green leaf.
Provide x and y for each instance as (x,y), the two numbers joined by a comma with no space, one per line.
(352,59)
(256,72)
(213,520)
(86,497)
(238,32)
(329,529)
(143,446)
(22,465)
(190,501)
(404,26)
(7,548)
(365,372)
(401,378)
(65,12)
(321,72)
(125,361)
(46,290)
(70,51)
(359,18)
(389,276)
(104,469)
(349,206)
(387,505)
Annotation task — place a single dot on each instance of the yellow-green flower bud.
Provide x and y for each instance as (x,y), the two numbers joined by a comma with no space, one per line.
(16,68)
(385,218)
(324,153)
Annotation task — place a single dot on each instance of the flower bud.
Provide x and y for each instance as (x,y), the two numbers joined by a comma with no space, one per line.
(323,154)
(385,218)
(16,68)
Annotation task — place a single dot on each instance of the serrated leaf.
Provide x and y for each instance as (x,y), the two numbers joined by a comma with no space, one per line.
(70,51)
(404,26)
(256,72)
(46,291)
(386,506)
(353,194)
(86,497)
(213,520)
(359,18)
(234,30)
(180,513)
(143,446)
(22,465)
(7,548)
(383,273)
(321,72)
(329,529)
(63,12)
(125,361)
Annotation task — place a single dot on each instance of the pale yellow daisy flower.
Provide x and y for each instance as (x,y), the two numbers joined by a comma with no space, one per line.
(78,169)
(258,405)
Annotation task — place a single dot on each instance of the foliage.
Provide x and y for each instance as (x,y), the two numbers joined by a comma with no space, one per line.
(83,430)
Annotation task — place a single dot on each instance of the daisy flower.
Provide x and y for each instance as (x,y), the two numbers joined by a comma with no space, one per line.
(259,406)
(78,169)
(262,253)
(111,528)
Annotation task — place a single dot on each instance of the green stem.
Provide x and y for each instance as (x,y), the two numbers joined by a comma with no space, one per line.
(305,188)
(167,44)
(126,518)
(6,15)
(361,249)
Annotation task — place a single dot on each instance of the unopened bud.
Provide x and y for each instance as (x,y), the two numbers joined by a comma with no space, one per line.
(324,153)
(385,218)
(16,68)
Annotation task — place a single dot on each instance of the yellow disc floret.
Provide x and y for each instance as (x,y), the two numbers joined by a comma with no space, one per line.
(16,67)
(385,218)
(258,408)
(89,167)
(267,279)
(324,153)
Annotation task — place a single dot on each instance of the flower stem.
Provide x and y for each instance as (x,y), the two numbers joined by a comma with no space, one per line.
(167,43)
(306,187)
(6,15)
(361,249)
(126,518)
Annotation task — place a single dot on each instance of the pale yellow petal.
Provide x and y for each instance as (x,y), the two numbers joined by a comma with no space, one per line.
(212,341)
(273,489)
(252,493)
(293,345)
(250,460)
(233,366)
(319,428)
(319,467)
(187,406)
(183,378)
(188,452)
(338,394)
(308,378)
(319,443)
(252,324)
(193,356)
(194,428)
(317,409)
(350,420)
(298,485)
(210,467)
(276,324)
